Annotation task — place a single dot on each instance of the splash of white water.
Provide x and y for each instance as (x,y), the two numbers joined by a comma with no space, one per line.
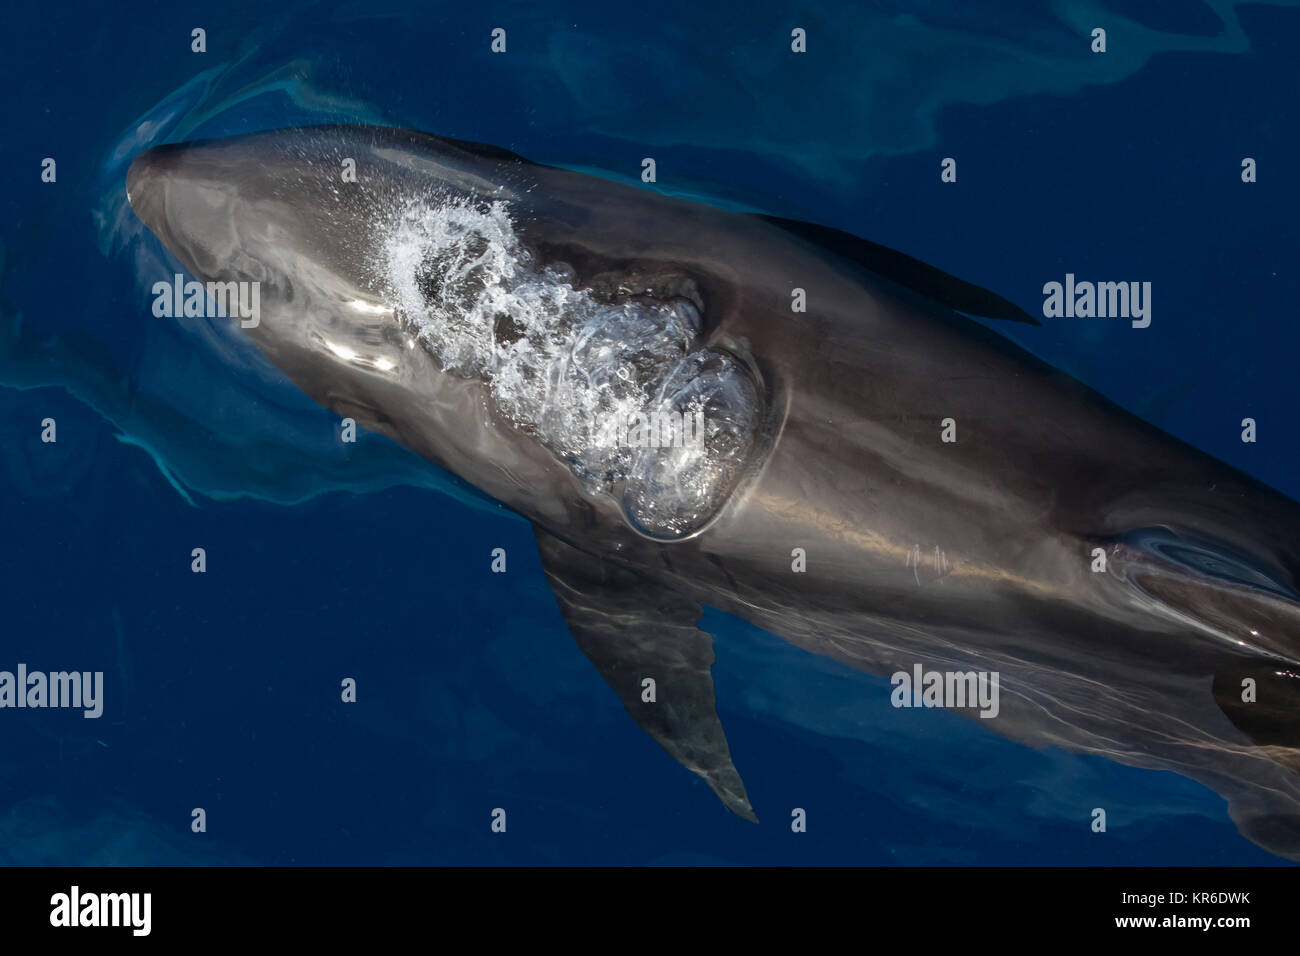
(570,368)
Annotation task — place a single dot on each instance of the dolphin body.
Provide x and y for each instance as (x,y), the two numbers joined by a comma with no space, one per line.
(1137,598)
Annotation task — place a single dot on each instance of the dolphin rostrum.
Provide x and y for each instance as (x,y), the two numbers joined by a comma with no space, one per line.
(875,477)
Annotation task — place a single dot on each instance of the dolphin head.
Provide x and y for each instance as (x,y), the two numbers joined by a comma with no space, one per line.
(498,317)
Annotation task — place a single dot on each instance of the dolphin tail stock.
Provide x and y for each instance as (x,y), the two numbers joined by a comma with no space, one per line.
(632,629)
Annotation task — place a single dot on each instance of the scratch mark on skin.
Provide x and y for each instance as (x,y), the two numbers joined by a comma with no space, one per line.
(872,542)
(914,562)
(940,558)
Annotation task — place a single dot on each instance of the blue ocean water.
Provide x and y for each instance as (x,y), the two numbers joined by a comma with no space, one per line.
(328,560)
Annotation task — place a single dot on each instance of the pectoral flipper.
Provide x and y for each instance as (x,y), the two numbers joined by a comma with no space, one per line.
(635,631)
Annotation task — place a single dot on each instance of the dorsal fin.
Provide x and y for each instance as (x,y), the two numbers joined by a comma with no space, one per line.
(1271,717)
(910,273)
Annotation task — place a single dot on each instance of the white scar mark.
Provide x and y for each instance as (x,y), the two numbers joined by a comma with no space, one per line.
(879,546)
(939,560)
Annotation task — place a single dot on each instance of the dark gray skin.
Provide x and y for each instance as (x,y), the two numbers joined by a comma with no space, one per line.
(976,554)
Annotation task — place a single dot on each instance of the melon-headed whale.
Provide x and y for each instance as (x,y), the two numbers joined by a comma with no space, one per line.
(531,328)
